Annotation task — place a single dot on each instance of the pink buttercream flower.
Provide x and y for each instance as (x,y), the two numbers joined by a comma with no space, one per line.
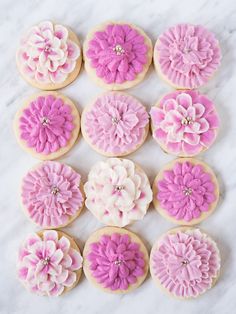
(46,124)
(46,53)
(188,55)
(116,123)
(186,263)
(186,191)
(185,123)
(51,194)
(118,53)
(116,262)
(48,265)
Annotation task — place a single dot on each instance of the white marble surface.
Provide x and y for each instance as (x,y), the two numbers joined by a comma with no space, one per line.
(153,16)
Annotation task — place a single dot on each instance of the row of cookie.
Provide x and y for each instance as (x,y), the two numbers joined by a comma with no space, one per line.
(184,123)
(117,55)
(118,192)
(184,262)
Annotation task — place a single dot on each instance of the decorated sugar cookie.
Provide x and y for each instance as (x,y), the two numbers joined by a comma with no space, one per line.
(185,262)
(115,124)
(49,263)
(185,191)
(186,56)
(117,55)
(47,125)
(52,194)
(115,260)
(184,123)
(117,192)
(49,56)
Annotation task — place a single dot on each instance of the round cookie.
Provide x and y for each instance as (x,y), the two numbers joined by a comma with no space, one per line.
(47,125)
(184,123)
(115,260)
(186,56)
(115,124)
(49,56)
(52,195)
(49,263)
(185,262)
(185,191)
(117,55)
(117,192)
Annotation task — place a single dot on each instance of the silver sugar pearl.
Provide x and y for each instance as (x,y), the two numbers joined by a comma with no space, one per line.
(55,190)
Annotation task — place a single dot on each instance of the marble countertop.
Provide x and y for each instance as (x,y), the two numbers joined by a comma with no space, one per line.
(154,17)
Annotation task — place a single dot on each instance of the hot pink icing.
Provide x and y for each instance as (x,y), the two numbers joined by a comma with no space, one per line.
(188,55)
(116,123)
(118,53)
(48,265)
(116,262)
(186,191)
(185,122)
(51,194)
(186,263)
(46,124)
(46,54)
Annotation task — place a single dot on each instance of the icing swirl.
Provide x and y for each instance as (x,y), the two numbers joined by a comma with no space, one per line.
(185,122)
(187,55)
(46,124)
(51,194)
(116,262)
(48,265)
(46,53)
(117,192)
(186,191)
(186,263)
(118,53)
(116,123)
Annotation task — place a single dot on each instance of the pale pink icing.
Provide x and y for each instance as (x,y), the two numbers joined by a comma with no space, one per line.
(186,263)
(46,124)
(46,54)
(51,194)
(116,123)
(188,55)
(185,122)
(48,265)
(186,191)
(116,262)
(118,53)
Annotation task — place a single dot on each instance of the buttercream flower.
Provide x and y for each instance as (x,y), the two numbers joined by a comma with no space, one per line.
(186,190)
(47,54)
(185,123)
(186,263)
(116,261)
(117,192)
(118,53)
(51,194)
(115,124)
(48,264)
(187,55)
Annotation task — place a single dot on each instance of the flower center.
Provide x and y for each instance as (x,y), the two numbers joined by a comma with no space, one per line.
(118,262)
(187,191)
(115,120)
(45,121)
(119,187)
(185,262)
(119,50)
(45,261)
(187,121)
(55,190)
(47,48)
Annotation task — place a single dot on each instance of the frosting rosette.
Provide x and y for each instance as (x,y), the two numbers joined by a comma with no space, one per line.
(116,124)
(185,262)
(118,192)
(49,263)
(187,55)
(51,194)
(186,191)
(184,123)
(47,53)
